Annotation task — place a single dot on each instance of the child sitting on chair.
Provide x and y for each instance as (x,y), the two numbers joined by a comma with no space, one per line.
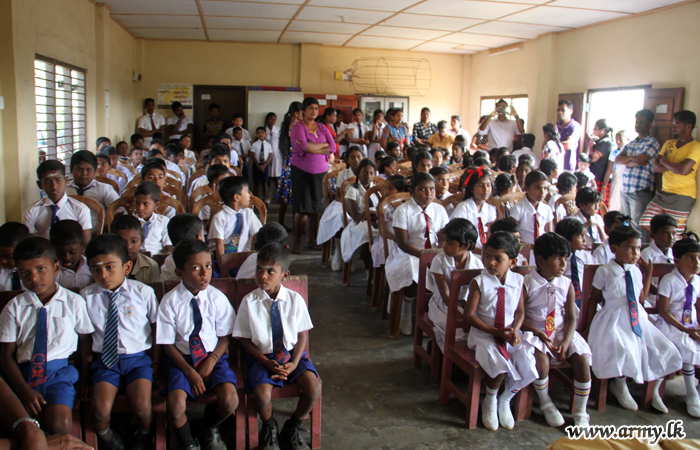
(442,182)
(155,233)
(11,234)
(270,233)
(588,201)
(355,235)
(574,231)
(67,239)
(181,227)
(611,220)
(393,185)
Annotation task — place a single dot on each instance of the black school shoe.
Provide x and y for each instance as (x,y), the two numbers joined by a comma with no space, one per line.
(212,439)
(290,438)
(116,443)
(267,438)
(142,441)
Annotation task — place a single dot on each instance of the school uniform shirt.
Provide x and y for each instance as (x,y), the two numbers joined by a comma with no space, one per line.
(167,270)
(145,270)
(128,173)
(224,223)
(560,212)
(358,131)
(449,209)
(524,213)
(527,151)
(137,307)
(6,279)
(468,210)
(603,254)
(258,148)
(583,257)
(590,176)
(247,269)
(172,120)
(80,279)
(175,168)
(594,227)
(190,154)
(67,318)
(253,319)
(272,136)
(356,234)
(246,135)
(120,182)
(197,183)
(375,133)
(673,286)
(176,318)
(157,236)
(38,216)
(654,254)
(240,150)
(617,350)
(145,123)
(102,193)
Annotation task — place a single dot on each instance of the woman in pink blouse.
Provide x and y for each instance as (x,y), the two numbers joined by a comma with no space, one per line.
(312,145)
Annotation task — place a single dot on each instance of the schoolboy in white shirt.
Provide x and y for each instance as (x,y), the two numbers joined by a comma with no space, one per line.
(39,330)
(261,157)
(663,233)
(273,324)
(67,240)
(11,234)
(83,165)
(195,321)
(57,205)
(237,122)
(241,147)
(182,226)
(155,226)
(123,313)
(270,233)
(179,123)
(151,122)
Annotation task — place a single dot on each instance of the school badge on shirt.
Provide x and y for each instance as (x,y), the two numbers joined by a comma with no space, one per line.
(129,311)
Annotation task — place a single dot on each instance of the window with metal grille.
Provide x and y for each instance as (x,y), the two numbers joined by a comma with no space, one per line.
(59,90)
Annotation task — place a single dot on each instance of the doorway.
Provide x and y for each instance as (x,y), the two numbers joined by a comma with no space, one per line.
(231,100)
(617,107)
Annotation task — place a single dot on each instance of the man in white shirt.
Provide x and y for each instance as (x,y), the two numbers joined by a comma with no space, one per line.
(151,122)
(180,123)
(502,131)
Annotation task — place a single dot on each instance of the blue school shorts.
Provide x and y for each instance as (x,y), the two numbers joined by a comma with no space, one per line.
(221,373)
(258,375)
(59,387)
(128,369)
(259,176)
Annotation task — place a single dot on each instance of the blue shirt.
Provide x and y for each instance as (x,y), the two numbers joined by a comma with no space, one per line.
(639,178)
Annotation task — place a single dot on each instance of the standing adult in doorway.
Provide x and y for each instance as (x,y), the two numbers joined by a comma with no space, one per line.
(600,148)
(395,130)
(312,145)
(151,122)
(284,193)
(638,176)
(502,131)
(424,129)
(678,162)
(570,132)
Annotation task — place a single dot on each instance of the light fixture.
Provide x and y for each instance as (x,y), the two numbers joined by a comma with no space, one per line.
(507,49)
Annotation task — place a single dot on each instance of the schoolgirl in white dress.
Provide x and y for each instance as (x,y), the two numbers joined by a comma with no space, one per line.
(477,190)
(272,136)
(393,185)
(356,233)
(375,133)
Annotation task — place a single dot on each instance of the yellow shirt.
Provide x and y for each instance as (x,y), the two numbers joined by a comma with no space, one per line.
(445,142)
(681,184)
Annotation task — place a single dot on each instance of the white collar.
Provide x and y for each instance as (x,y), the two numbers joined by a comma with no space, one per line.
(33,300)
(490,281)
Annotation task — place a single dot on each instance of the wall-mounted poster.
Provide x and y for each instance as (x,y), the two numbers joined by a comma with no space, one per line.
(170,92)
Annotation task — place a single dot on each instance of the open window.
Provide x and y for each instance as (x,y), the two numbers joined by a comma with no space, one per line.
(519,102)
(617,106)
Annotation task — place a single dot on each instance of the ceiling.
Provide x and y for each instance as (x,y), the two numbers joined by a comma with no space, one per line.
(446,26)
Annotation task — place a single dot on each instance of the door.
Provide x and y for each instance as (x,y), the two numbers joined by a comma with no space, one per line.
(663,103)
(231,100)
(345,104)
(578,115)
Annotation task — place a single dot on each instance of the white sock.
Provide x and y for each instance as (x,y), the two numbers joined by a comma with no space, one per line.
(542,389)
(406,310)
(657,386)
(490,398)
(336,253)
(508,395)
(581,393)
(689,378)
(622,384)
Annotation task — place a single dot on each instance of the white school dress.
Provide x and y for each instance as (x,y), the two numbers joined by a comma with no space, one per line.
(536,309)
(524,213)
(520,367)
(356,234)
(448,208)
(378,258)
(332,218)
(437,308)
(468,210)
(617,350)
(560,212)
(654,255)
(673,286)
(603,254)
(375,133)
(583,257)
(401,268)
(273,138)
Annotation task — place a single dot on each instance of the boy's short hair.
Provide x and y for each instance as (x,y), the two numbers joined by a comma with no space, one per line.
(662,220)
(526,159)
(566,182)
(507,163)
(547,166)
(159,161)
(570,227)
(173,150)
(148,188)
(215,171)
(535,176)
(135,138)
(83,156)
(222,136)
(213,105)
(154,152)
(219,150)
(104,157)
(237,116)
(184,226)
(271,233)
(109,150)
(581,180)
(34,247)
(275,254)
(462,231)
(399,182)
(685,245)
(135,149)
(187,247)
(66,232)
(107,244)
(439,170)
(622,234)
(550,244)
(418,178)
(150,165)
(504,241)
(391,145)
(126,222)
(260,129)
(506,224)
(584,158)
(11,233)
(50,165)
(148,100)
(528,140)
(587,195)
(230,186)
(102,139)
(175,105)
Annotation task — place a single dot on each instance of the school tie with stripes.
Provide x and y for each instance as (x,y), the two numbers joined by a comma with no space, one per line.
(575,279)
(500,320)
(482,233)
(37,374)
(549,323)
(634,307)
(197,351)
(688,307)
(153,124)
(427,230)
(54,214)
(282,356)
(537,226)
(111,339)
(16,284)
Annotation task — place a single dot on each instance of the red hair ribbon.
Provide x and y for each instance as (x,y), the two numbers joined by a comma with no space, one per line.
(479,171)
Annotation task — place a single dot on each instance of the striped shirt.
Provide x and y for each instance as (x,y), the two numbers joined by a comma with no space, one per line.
(639,178)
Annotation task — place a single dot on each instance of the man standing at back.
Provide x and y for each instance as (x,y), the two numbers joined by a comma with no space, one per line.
(570,133)
(150,123)
(424,129)
(678,162)
(502,131)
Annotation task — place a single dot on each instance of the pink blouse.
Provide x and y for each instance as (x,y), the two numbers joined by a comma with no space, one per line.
(310,162)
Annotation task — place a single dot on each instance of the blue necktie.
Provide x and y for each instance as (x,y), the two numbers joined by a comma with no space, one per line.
(576,279)
(37,375)
(111,339)
(81,191)
(262,154)
(197,350)
(236,236)
(281,355)
(687,318)
(632,299)
(54,214)
(146,227)
(16,285)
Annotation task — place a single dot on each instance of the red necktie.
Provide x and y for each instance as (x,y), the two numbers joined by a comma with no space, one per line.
(537,226)
(427,231)
(550,322)
(153,124)
(482,235)
(500,320)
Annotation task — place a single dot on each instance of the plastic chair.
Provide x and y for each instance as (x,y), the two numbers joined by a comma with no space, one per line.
(108,181)
(424,326)
(195,175)
(96,208)
(118,173)
(166,201)
(453,200)
(175,193)
(198,194)
(256,203)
